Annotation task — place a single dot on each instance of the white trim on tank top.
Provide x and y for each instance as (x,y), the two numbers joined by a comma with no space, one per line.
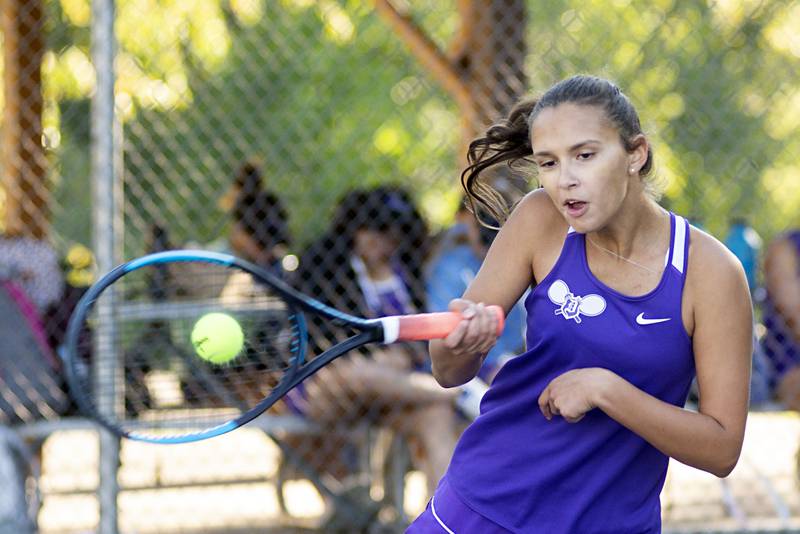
(436,517)
(679,244)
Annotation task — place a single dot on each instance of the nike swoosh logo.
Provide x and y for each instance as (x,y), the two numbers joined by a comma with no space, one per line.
(641,320)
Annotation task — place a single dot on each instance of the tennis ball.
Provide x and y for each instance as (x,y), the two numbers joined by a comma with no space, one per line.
(217,337)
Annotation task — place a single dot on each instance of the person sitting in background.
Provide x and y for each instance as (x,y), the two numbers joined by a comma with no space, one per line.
(31,385)
(259,234)
(455,263)
(782,316)
(33,266)
(78,268)
(745,243)
(251,207)
(370,264)
(247,182)
(259,231)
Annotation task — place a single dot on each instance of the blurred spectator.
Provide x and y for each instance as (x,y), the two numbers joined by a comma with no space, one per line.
(33,266)
(455,263)
(31,385)
(782,316)
(77,267)
(16,515)
(247,182)
(745,243)
(259,231)
(370,264)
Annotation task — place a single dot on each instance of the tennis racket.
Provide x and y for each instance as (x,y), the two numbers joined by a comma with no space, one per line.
(132,365)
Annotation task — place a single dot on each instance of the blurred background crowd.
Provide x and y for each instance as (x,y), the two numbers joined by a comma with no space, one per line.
(323,140)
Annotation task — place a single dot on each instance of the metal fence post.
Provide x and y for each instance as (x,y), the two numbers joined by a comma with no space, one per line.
(105,213)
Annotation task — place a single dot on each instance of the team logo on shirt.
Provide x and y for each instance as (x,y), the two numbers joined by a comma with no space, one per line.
(573,306)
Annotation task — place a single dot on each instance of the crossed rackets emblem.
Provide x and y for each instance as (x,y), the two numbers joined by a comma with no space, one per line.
(573,306)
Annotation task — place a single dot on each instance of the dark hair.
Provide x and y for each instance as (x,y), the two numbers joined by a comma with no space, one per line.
(509,140)
(325,267)
(258,211)
(383,208)
(263,217)
(248,179)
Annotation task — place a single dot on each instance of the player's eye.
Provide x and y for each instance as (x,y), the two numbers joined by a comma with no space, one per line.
(585,155)
(547,164)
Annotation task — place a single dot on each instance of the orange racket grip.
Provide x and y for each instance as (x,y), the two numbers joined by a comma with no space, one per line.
(426,326)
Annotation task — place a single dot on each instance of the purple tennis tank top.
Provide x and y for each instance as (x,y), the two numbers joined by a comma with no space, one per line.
(531,475)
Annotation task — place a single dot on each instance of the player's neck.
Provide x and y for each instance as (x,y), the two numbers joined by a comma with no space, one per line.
(635,228)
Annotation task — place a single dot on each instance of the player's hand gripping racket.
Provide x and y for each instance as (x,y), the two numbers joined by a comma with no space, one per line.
(184,345)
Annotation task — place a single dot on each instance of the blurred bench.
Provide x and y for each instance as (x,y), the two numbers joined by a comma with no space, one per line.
(350,508)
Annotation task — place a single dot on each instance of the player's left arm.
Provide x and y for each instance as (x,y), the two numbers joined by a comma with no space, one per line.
(720,316)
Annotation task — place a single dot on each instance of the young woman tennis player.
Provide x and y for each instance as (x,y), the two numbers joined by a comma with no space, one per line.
(629,303)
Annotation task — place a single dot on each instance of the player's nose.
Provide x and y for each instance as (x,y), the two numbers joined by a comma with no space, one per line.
(567,179)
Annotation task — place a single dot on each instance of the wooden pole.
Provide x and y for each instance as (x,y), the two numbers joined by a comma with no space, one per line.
(24,165)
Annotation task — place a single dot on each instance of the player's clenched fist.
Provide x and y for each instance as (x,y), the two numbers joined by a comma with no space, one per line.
(477,331)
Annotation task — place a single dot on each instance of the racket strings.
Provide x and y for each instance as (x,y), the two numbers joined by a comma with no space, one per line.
(145,371)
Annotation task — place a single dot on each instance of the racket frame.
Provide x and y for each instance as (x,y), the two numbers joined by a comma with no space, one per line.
(370,331)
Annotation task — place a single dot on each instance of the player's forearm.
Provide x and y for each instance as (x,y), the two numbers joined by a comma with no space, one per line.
(450,369)
(692,438)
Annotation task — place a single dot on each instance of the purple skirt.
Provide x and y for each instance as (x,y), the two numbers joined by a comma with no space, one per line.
(446,513)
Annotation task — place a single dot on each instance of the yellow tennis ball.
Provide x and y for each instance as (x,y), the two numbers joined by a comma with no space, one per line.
(217,337)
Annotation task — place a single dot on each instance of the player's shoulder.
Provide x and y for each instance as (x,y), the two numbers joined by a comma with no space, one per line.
(537,214)
(712,266)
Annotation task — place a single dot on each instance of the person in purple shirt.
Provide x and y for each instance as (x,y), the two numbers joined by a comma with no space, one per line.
(370,264)
(782,317)
(628,302)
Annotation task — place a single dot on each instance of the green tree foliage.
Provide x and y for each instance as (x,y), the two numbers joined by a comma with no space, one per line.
(713,83)
(327,98)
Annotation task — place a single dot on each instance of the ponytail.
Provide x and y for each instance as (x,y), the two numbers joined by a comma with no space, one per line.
(505,142)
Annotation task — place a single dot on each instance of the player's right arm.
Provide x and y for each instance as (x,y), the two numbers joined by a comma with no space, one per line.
(504,276)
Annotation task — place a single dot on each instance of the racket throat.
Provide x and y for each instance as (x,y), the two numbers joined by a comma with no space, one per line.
(391,328)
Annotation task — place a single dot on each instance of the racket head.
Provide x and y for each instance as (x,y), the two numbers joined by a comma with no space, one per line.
(131,364)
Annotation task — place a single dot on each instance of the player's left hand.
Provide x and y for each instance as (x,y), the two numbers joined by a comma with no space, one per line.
(572,394)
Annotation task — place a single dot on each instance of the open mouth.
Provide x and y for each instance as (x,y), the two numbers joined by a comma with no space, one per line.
(575,208)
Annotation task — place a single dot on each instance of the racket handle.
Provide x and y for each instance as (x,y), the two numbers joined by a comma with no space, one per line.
(426,326)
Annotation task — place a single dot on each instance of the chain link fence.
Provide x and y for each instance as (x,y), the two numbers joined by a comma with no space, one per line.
(324,140)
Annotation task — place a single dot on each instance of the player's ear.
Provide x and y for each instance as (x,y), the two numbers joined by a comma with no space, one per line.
(637,156)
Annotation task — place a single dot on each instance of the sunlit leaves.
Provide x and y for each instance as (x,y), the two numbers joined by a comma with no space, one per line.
(714,83)
(782,33)
(391,139)
(782,184)
(783,118)
(78,12)
(338,26)
(330,97)
(68,75)
(247,12)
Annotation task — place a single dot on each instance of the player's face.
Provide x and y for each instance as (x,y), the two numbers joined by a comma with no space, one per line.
(582,164)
